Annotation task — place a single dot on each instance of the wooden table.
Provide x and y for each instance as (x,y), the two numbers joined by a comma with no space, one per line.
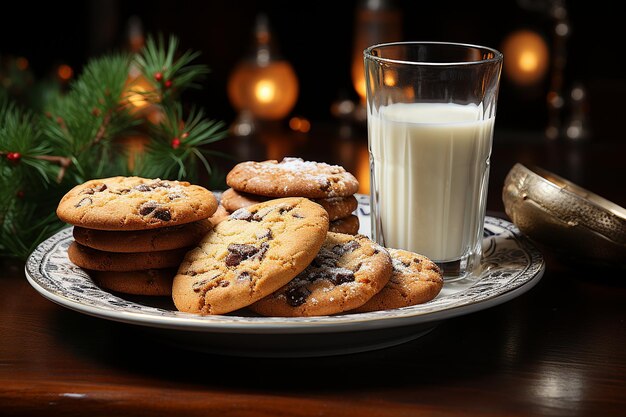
(557,350)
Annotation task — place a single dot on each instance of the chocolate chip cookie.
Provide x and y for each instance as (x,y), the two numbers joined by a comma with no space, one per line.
(292,177)
(415,280)
(94,259)
(135,203)
(165,238)
(152,282)
(349,225)
(345,274)
(251,254)
(337,207)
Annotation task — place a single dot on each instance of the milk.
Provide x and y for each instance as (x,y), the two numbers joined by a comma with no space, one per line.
(429,173)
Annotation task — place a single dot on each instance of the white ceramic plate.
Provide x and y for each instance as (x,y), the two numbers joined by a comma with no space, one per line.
(511,265)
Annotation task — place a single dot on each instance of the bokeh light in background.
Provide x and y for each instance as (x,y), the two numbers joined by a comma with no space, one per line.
(264,85)
(526,57)
(65,72)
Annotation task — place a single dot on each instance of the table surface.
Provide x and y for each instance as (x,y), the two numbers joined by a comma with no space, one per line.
(556,350)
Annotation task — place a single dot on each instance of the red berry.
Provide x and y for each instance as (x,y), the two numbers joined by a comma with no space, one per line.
(184,135)
(14,156)
(175,143)
(168,83)
(158,76)
(20,194)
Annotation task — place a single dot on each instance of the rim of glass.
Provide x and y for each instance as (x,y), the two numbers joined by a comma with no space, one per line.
(367,52)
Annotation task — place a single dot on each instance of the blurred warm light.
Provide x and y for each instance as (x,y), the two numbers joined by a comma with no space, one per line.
(263,85)
(526,57)
(268,92)
(265,91)
(140,96)
(299,124)
(21,63)
(136,98)
(389,78)
(65,72)
(137,91)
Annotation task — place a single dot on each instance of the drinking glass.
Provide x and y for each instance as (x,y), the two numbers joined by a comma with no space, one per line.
(431,108)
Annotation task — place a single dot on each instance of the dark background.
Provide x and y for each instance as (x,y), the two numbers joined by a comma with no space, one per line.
(317,36)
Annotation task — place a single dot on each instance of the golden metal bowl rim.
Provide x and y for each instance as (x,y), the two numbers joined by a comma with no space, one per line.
(576,191)
(565,196)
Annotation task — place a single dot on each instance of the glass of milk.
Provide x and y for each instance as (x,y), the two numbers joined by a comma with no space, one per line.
(431,108)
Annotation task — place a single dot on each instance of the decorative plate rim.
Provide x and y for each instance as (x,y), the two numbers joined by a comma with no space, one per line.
(511,266)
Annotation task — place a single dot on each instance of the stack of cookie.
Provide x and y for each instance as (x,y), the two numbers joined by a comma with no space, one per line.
(132,233)
(331,186)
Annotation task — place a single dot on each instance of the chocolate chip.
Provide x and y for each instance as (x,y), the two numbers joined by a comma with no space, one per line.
(283,209)
(147,208)
(202,284)
(173,196)
(198,285)
(346,247)
(143,187)
(245,275)
(84,202)
(160,184)
(241,214)
(417,260)
(233,259)
(297,215)
(267,234)
(101,188)
(163,214)
(335,275)
(325,186)
(261,253)
(325,258)
(238,253)
(297,295)
(340,276)
(87,191)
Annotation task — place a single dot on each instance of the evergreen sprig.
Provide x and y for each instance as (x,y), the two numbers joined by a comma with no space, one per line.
(85,123)
(178,145)
(79,137)
(168,73)
(25,171)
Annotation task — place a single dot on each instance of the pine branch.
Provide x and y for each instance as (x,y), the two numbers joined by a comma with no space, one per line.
(77,138)
(178,145)
(25,169)
(168,74)
(22,147)
(96,111)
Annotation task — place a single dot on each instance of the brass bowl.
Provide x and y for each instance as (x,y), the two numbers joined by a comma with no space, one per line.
(564,216)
